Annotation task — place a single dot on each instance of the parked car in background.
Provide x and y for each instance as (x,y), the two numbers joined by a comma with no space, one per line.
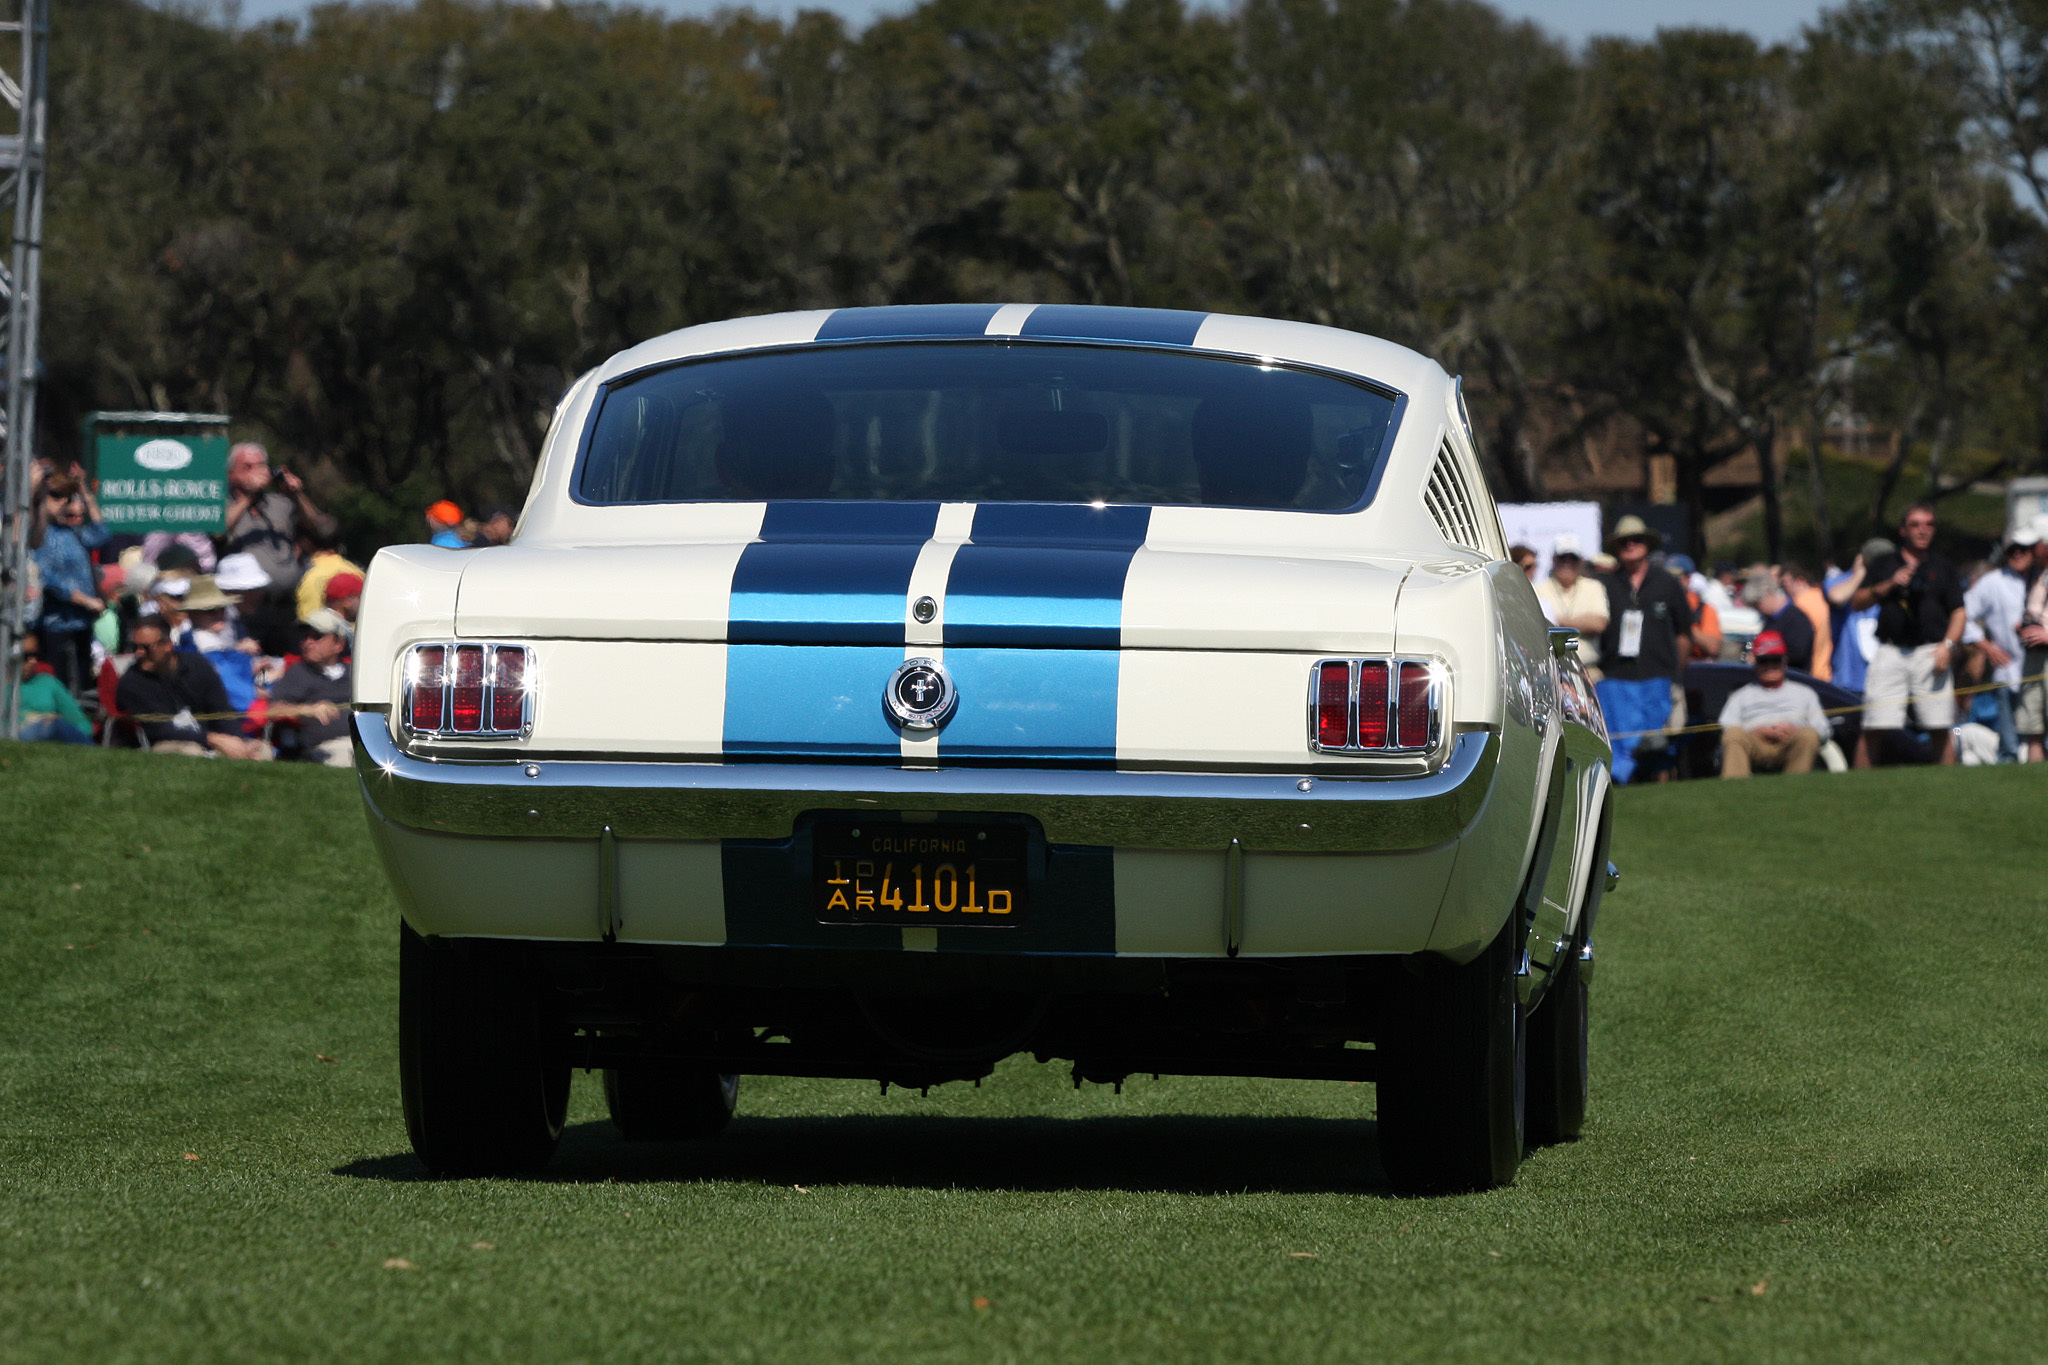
(883,692)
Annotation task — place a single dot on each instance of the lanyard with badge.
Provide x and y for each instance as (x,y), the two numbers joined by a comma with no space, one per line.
(1630,645)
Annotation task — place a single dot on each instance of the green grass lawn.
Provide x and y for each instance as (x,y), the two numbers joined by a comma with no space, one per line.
(1820,1046)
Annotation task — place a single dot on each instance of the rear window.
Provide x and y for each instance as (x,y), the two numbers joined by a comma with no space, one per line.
(988,422)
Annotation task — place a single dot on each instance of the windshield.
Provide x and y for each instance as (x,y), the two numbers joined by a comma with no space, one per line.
(988,422)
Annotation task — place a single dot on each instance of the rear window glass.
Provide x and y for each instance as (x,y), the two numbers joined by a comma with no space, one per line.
(988,422)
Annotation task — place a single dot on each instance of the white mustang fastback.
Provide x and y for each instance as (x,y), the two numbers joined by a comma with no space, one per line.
(884,691)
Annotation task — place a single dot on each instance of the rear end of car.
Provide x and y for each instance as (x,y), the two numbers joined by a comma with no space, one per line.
(882,693)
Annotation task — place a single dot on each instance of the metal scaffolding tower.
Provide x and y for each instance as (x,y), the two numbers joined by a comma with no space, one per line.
(24,102)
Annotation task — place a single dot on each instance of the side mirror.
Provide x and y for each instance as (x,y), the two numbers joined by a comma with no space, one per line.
(1564,641)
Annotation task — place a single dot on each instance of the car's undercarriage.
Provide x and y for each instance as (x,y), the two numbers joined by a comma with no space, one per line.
(914,1019)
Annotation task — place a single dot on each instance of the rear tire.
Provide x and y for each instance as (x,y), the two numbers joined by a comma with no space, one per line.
(1452,1071)
(1557,1059)
(655,1103)
(480,1095)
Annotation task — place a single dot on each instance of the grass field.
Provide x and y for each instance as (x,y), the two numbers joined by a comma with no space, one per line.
(1818,1132)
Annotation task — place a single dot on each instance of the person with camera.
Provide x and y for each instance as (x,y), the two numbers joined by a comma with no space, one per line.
(1920,619)
(266,510)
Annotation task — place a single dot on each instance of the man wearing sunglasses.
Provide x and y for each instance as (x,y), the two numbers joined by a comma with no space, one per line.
(1771,725)
(1920,619)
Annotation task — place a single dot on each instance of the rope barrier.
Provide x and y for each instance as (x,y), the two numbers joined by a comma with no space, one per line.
(1711,726)
(157,718)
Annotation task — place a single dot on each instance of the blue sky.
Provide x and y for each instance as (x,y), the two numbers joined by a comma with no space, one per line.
(1575,20)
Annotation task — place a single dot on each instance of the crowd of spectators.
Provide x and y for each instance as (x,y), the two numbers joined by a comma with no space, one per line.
(1939,663)
(235,645)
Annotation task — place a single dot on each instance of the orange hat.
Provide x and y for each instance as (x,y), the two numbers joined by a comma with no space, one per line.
(445,513)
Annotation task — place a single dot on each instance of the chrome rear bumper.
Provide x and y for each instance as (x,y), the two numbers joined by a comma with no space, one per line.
(1266,812)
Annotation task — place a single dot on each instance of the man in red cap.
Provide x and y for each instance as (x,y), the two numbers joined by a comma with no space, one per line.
(345,595)
(1771,724)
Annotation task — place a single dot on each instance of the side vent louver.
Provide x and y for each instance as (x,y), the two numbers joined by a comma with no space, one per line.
(1449,499)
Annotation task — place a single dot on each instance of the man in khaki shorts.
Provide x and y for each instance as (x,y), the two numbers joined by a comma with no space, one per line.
(1919,624)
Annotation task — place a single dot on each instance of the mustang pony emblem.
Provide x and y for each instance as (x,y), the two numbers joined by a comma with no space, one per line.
(920,695)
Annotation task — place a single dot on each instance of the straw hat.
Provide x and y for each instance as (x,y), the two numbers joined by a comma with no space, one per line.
(205,595)
(1633,528)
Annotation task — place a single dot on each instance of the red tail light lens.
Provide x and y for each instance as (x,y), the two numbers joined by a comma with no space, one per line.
(1333,705)
(1372,705)
(426,688)
(1412,715)
(1386,705)
(467,700)
(508,688)
(468,691)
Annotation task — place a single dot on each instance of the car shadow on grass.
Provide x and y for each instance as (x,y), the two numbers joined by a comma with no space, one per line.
(1177,1153)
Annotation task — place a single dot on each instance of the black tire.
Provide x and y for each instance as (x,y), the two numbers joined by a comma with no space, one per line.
(655,1103)
(1452,1070)
(480,1095)
(1557,1059)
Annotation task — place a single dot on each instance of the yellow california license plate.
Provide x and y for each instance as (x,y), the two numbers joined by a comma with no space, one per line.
(892,873)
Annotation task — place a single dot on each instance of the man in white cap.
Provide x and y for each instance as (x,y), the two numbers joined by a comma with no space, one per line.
(2031,718)
(1996,603)
(315,690)
(1570,598)
(275,630)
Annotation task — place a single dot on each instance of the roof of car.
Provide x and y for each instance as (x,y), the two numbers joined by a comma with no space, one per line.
(1298,342)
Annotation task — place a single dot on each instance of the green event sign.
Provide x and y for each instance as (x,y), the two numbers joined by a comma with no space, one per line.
(163,483)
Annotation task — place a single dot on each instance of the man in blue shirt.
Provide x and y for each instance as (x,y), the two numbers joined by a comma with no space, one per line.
(67,530)
(1855,631)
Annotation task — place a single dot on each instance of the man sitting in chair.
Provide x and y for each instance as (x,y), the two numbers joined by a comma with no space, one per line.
(1771,724)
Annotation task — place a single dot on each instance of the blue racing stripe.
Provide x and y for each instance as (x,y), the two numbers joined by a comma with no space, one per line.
(909,320)
(903,522)
(828,573)
(1033,705)
(810,701)
(1044,575)
(1088,322)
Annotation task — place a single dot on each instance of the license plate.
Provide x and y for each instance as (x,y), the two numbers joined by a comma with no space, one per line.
(959,875)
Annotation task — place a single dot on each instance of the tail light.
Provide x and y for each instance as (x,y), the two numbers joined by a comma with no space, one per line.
(1376,706)
(424,686)
(1372,705)
(1412,713)
(1333,704)
(508,689)
(468,691)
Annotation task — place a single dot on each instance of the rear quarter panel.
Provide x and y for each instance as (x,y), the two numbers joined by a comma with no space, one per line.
(1487,625)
